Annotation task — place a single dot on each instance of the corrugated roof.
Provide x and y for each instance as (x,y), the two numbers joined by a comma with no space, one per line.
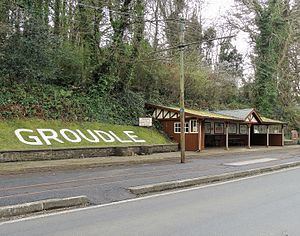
(243,113)
(209,114)
(199,113)
(268,120)
(235,115)
(239,113)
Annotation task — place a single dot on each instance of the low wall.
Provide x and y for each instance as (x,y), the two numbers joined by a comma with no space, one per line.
(259,139)
(70,153)
(275,139)
(291,142)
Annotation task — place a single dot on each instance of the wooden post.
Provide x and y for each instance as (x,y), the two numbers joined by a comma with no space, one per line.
(182,115)
(249,136)
(268,136)
(199,134)
(282,136)
(227,136)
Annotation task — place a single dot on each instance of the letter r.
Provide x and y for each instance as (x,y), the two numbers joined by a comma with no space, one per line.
(53,135)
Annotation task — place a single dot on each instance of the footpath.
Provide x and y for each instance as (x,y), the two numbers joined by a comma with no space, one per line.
(72,164)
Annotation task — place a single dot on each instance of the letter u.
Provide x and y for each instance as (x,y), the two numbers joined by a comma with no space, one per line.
(95,138)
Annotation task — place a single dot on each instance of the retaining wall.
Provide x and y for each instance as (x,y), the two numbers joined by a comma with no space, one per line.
(70,153)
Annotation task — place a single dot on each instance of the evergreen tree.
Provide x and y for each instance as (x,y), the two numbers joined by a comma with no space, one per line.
(230,59)
(272,24)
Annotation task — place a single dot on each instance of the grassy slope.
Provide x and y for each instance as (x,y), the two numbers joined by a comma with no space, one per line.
(8,140)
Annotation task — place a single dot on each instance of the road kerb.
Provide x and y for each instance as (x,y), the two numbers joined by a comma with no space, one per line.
(43,205)
(21,209)
(150,188)
(65,202)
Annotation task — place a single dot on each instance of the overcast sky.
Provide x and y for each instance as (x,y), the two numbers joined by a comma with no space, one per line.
(214,10)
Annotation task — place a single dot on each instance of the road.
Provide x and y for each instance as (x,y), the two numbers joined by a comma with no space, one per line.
(108,184)
(257,206)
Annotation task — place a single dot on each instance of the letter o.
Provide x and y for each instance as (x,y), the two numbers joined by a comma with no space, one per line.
(75,139)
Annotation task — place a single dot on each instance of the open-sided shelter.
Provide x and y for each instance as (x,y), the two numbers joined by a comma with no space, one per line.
(224,128)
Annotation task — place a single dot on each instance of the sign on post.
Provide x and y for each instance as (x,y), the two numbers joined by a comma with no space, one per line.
(295,134)
(145,121)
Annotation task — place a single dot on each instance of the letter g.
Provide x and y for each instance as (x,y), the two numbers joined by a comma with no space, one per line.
(36,141)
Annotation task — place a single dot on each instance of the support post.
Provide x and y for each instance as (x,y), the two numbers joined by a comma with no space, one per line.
(249,136)
(268,136)
(282,136)
(199,135)
(182,118)
(227,136)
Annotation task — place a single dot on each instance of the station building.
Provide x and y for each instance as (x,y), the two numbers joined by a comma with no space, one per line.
(224,128)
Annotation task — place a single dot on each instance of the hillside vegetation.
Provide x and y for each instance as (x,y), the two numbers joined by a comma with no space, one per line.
(86,60)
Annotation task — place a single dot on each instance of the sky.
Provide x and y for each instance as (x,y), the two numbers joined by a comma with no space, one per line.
(214,10)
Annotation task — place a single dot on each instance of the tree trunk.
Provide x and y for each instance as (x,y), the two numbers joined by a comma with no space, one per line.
(57,17)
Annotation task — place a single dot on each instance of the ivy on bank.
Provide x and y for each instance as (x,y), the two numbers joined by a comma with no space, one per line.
(56,102)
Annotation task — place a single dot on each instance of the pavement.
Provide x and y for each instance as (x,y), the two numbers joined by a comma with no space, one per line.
(72,164)
(265,205)
(107,184)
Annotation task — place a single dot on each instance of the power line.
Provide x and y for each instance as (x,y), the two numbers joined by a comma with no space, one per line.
(192,43)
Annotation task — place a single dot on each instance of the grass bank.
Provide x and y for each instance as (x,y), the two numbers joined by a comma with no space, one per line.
(9,140)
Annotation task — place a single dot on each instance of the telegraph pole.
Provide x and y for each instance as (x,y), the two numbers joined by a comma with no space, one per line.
(182,118)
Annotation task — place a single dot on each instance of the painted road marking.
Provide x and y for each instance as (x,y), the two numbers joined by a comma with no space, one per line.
(143,198)
(249,162)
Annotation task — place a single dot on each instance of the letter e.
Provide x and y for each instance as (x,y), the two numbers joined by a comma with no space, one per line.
(133,137)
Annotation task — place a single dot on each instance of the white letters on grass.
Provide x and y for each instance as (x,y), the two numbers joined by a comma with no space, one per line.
(50,136)
(73,138)
(105,136)
(133,137)
(36,141)
(53,135)
(120,140)
(95,138)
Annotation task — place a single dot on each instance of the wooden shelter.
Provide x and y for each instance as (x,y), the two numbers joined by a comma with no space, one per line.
(224,128)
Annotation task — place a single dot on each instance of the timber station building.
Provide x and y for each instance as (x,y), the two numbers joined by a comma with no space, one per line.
(225,128)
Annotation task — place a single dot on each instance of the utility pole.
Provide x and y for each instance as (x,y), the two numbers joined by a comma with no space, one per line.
(182,118)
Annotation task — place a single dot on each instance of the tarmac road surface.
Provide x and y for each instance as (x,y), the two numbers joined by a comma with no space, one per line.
(263,205)
(109,184)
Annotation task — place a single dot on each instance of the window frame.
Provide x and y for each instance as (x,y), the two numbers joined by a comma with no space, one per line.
(187,127)
(221,124)
(196,125)
(243,127)
(177,127)
(260,129)
(275,129)
(206,124)
(232,125)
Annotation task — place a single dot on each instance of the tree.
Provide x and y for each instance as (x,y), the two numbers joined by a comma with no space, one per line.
(230,59)
(57,8)
(208,36)
(171,10)
(269,26)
